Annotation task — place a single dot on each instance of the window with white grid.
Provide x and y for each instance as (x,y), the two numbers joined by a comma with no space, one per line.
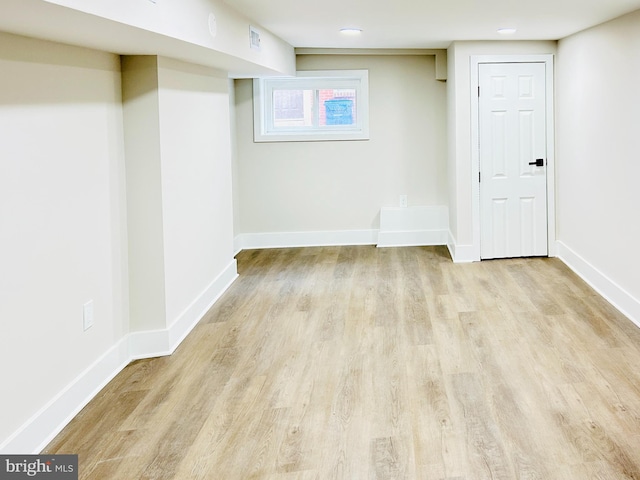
(312,106)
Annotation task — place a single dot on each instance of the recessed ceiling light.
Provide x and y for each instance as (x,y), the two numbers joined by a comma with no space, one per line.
(351,31)
(506,31)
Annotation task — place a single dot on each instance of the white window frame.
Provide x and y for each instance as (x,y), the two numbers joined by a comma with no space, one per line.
(264,130)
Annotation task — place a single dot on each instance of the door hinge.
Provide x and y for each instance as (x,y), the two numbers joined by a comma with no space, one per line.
(478,91)
(479,177)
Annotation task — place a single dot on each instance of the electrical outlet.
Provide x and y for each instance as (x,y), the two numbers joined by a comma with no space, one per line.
(403,201)
(87,315)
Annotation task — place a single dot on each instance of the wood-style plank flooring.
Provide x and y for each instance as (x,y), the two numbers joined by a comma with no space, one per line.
(365,363)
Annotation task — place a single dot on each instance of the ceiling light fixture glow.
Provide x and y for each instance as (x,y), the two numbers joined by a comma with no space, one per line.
(507,31)
(351,31)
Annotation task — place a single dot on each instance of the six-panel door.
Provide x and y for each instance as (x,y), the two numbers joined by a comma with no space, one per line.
(513,188)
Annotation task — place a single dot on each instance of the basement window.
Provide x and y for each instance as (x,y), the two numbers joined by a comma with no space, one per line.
(312,106)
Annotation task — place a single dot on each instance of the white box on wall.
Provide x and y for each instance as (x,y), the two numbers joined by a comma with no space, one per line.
(411,226)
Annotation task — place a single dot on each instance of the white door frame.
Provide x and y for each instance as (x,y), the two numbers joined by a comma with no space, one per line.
(476,60)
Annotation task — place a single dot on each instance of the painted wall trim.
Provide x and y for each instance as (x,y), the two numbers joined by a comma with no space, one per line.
(149,343)
(42,427)
(249,241)
(461,253)
(397,238)
(190,317)
(157,343)
(412,238)
(601,283)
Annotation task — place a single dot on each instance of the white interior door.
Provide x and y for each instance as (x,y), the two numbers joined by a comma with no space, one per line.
(513,183)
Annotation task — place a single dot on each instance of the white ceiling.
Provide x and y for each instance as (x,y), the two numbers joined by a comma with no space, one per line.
(425,23)
(422,24)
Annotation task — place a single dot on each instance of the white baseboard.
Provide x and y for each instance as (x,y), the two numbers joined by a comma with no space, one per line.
(407,226)
(190,317)
(158,343)
(45,424)
(249,241)
(601,283)
(148,344)
(42,427)
(461,253)
(412,238)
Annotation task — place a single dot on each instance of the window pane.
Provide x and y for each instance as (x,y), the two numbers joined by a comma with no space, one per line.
(337,107)
(292,108)
(312,106)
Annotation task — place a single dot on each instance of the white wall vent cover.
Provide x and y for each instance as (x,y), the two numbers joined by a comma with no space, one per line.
(254,38)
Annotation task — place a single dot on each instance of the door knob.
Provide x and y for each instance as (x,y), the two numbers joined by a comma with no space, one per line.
(538,163)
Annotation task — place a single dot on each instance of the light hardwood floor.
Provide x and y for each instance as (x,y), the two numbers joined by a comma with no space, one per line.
(364,363)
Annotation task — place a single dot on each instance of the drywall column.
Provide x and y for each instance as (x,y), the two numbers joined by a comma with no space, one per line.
(463,242)
(197,207)
(144,193)
(179,195)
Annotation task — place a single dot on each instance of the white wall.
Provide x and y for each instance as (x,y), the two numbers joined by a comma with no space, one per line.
(195,144)
(144,193)
(459,95)
(341,186)
(179,186)
(77,170)
(62,220)
(598,131)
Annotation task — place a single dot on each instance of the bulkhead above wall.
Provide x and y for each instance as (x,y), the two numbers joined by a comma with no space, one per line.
(205,32)
(439,54)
